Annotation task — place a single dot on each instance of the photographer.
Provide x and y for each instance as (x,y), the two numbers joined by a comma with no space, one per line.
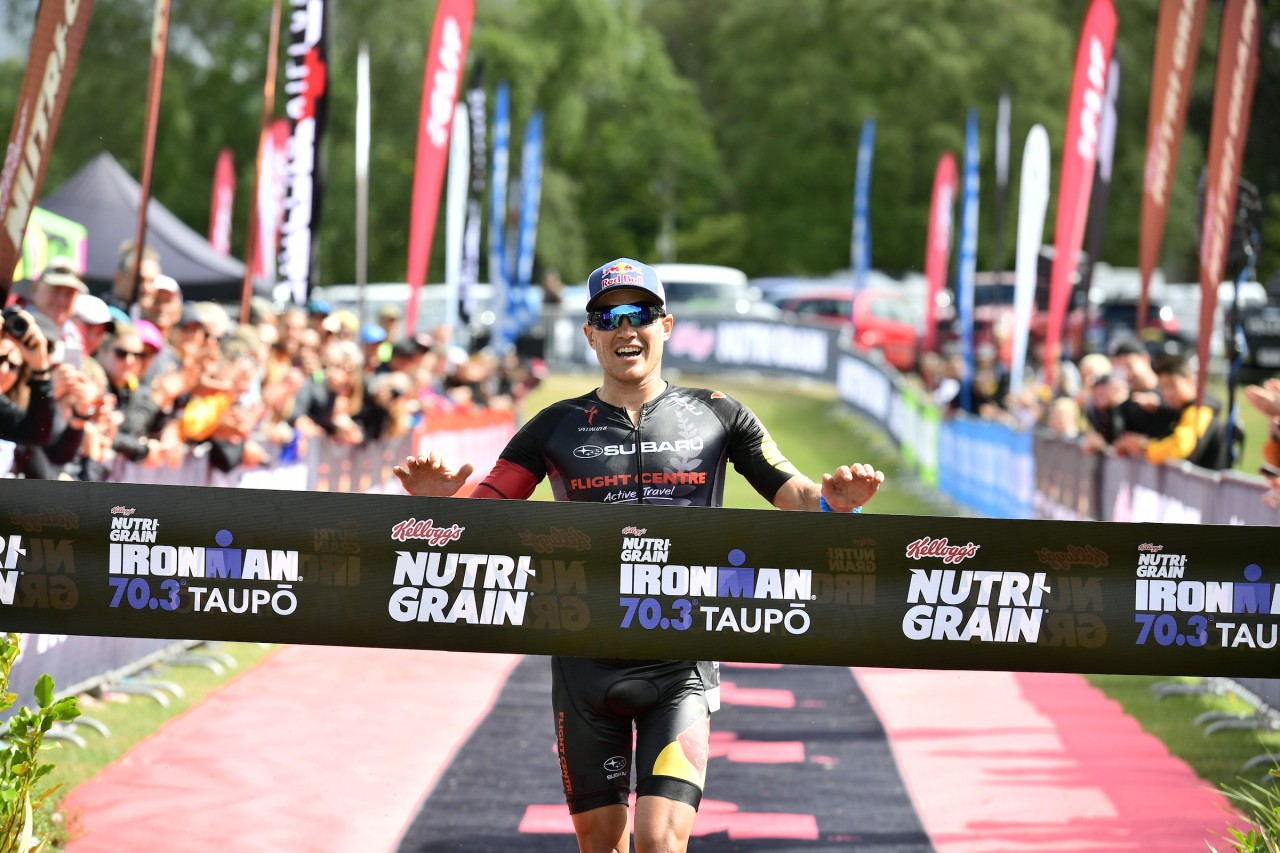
(76,399)
(26,407)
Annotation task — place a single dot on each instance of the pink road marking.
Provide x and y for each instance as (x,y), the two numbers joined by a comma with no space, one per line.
(727,745)
(1002,761)
(756,697)
(714,816)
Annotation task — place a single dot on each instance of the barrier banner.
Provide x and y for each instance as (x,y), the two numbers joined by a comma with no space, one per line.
(637,581)
(1066,479)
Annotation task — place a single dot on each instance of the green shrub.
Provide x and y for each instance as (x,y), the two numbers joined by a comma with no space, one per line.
(1261,805)
(20,767)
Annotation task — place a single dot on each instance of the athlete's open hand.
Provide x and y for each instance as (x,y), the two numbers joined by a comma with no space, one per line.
(429,476)
(851,486)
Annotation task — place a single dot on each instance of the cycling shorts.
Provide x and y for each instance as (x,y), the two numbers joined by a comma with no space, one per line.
(596,702)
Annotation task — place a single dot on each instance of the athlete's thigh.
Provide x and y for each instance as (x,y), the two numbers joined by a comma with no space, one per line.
(603,830)
(672,742)
(662,824)
(594,746)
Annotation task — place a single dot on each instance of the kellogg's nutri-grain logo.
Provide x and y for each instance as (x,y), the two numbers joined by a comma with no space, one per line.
(426,530)
(925,547)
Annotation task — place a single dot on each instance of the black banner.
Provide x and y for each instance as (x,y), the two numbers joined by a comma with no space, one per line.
(307,90)
(637,581)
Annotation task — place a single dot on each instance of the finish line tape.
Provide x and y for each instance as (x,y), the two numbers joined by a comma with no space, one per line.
(121,560)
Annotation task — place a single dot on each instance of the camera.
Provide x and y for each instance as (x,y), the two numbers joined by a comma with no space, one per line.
(15,325)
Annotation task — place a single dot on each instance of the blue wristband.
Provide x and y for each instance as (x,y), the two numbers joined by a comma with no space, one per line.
(826,507)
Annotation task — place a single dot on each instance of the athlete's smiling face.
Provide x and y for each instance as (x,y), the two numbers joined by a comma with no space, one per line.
(629,355)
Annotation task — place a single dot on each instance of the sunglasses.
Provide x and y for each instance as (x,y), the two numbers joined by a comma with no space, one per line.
(127,353)
(611,318)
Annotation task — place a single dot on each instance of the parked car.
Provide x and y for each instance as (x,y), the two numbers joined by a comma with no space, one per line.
(709,288)
(883,319)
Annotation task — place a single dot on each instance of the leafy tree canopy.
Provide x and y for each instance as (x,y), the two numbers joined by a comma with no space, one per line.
(735,120)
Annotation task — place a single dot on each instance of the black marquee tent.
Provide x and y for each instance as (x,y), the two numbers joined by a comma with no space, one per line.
(103,197)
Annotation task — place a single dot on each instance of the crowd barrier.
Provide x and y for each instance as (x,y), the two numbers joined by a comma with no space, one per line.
(49,579)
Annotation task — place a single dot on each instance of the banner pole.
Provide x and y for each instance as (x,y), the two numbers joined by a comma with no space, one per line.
(155,82)
(268,109)
(363,122)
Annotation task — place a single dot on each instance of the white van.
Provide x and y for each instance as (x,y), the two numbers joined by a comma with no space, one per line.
(693,288)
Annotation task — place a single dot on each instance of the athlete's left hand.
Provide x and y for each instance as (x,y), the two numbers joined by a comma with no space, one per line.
(851,486)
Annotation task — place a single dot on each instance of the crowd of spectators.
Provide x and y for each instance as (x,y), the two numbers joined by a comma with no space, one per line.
(1125,401)
(156,379)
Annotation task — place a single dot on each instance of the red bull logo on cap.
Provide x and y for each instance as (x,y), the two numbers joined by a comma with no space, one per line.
(621,274)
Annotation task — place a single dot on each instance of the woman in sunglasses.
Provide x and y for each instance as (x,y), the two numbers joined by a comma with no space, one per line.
(639,439)
(26,381)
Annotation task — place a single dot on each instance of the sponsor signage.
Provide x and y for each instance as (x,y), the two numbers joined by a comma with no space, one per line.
(632,581)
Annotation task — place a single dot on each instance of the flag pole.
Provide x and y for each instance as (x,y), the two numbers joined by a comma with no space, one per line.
(268,109)
(155,82)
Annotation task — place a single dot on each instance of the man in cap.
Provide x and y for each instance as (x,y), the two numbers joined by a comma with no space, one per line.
(122,293)
(93,319)
(597,701)
(162,304)
(54,296)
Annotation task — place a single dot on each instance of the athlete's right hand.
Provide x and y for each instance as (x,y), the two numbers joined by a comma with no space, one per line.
(429,476)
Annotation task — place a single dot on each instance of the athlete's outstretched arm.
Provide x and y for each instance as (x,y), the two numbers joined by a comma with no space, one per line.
(845,489)
(429,476)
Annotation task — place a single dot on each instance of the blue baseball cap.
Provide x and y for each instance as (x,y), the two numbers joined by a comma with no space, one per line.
(372,333)
(624,273)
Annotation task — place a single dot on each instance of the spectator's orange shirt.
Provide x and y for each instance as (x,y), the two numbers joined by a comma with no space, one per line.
(1181,443)
(203,414)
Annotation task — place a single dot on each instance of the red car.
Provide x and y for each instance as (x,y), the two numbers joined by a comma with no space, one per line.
(884,319)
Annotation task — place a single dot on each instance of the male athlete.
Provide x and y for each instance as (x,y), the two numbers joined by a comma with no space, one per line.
(687,435)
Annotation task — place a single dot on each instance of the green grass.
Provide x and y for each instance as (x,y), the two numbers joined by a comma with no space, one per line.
(1216,758)
(1252,421)
(130,718)
(815,437)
